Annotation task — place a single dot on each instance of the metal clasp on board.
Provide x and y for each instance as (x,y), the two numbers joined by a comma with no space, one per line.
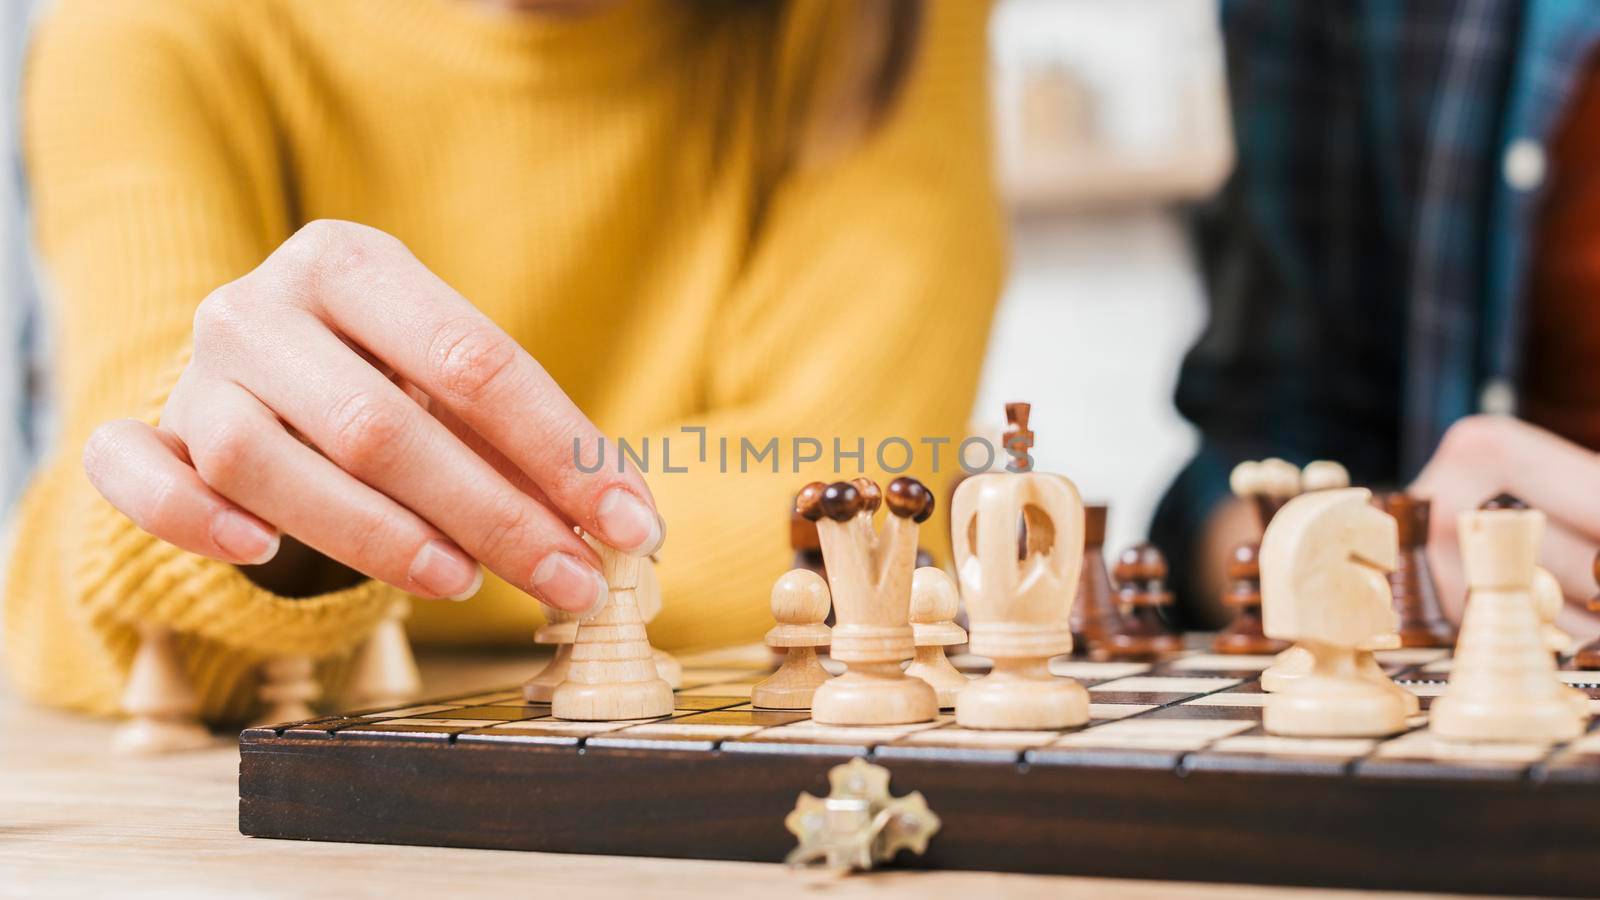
(859,824)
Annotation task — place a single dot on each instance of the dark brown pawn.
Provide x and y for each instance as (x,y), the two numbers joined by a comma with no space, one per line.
(1416,600)
(1095,615)
(1589,655)
(871,496)
(1504,501)
(1243,593)
(841,501)
(909,499)
(1141,576)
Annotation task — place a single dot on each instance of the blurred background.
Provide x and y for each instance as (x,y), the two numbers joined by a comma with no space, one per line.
(1108,116)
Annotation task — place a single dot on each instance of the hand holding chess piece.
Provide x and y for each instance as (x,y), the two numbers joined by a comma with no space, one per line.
(160,700)
(934,603)
(870,580)
(613,672)
(1503,684)
(800,604)
(1019,610)
(1325,561)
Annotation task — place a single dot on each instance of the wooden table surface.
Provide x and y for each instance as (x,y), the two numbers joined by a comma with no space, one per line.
(76,820)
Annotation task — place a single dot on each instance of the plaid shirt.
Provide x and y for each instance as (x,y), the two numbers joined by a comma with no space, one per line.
(1366,262)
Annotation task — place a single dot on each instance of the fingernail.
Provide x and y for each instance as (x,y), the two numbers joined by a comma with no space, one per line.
(628,524)
(567,583)
(243,537)
(444,571)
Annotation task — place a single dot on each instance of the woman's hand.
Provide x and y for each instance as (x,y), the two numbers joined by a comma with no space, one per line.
(344,395)
(1482,456)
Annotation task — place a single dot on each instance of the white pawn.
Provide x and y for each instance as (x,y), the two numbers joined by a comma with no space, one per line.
(934,602)
(1549,600)
(383,672)
(800,603)
(613,673)
(160,699)
(667,666)
(1280,479)
(1503,684)
(1323,475)
(288,685)
(560,628)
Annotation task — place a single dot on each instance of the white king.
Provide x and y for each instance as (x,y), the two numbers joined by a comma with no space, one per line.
(1019,609)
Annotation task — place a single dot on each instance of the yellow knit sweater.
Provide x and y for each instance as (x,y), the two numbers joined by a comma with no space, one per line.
(611,190)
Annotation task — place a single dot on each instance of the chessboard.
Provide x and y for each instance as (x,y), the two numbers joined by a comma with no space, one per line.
(1172,778)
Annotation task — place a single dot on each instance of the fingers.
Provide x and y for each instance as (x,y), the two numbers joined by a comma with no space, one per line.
(371,289)
(1570,557)
(371,429)
(144,474)
(244,454)
(1483,455)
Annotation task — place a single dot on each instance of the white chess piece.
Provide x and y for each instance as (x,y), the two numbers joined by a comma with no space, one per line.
(667,666)
(288,687)
(800,604)
(1324,565)
(160,700)
(1548,599)
(1289,665)
(1318,475)
(383,671)
(870,579)
(1019,610)
(935,601)
(1323,475)
(560,629)
(613,673)
(1503,684)
(1297,662)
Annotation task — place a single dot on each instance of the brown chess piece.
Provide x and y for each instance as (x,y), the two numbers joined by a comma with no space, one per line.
(1589,655)
(1267,485)
(1095,617)
(1243,594)
(1141,573)
(804,542)
(1416,601)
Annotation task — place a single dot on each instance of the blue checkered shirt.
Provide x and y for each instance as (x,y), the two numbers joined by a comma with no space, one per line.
(1366,262)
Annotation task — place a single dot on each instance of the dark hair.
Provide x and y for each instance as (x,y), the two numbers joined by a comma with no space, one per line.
(860,52)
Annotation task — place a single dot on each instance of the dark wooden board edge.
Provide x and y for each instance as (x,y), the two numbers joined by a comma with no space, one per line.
(1226,826)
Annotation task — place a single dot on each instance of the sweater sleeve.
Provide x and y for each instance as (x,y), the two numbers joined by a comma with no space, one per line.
(862,315)
(154,177)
